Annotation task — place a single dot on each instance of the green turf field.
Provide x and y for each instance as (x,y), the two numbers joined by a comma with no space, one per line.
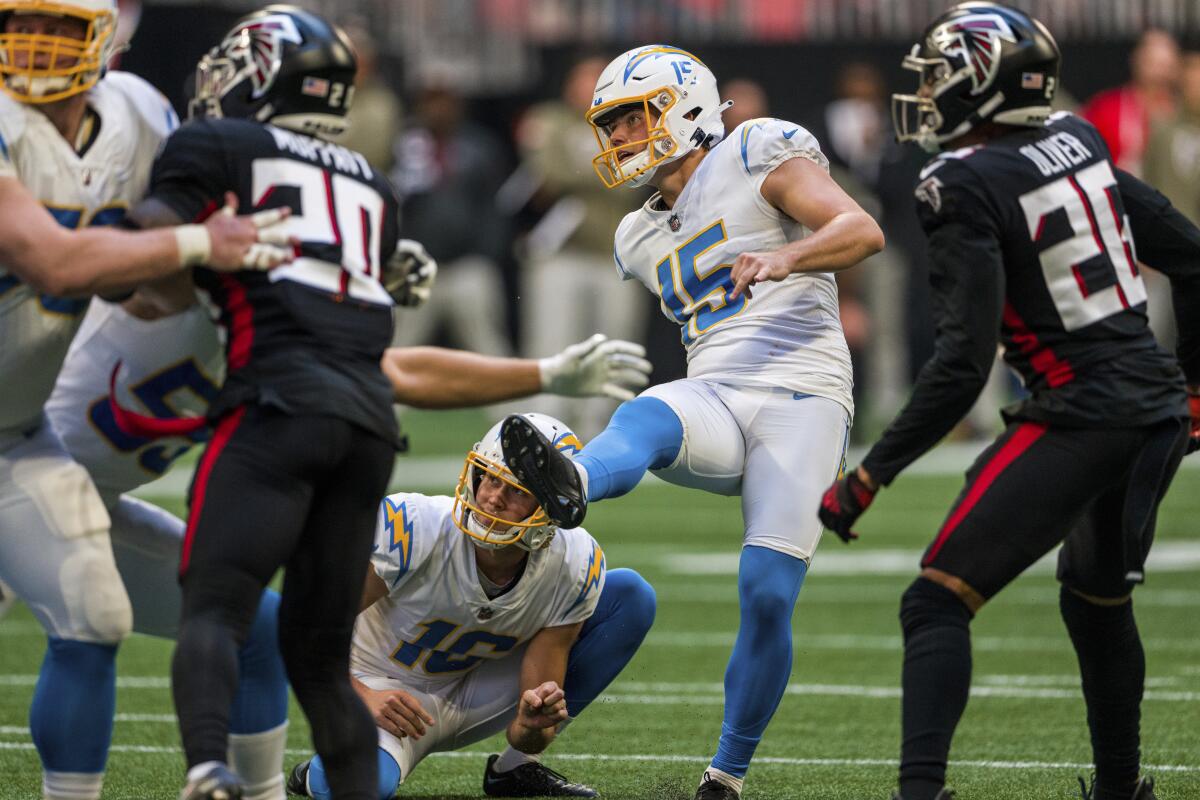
(836,734)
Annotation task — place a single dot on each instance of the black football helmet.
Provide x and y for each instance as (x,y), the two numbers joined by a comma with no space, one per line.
(281,64)
(978,62)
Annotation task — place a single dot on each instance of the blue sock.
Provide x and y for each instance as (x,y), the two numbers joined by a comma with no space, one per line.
(758,671)
(389,777)
(71,717)
(609,638)
(643,434)
(261,702)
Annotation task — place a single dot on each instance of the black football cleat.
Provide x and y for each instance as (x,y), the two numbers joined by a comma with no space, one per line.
(1143,791)
(944,794)
(217,784)
(297,782)
(530,780)
(549,475)
(715,790)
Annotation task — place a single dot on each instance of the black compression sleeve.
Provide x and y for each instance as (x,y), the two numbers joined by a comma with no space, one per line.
(967,278)
(1167,241)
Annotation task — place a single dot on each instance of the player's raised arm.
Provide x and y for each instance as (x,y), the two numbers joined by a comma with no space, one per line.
(542,705)
(66,263)
(843,234)
(435,377)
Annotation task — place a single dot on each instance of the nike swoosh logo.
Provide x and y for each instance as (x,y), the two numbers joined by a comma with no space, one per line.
(791,133)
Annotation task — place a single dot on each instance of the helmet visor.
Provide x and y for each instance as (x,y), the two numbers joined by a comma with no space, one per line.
(44,68)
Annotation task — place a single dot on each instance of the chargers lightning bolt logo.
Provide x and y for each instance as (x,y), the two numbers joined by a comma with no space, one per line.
(399,536)
(591,579)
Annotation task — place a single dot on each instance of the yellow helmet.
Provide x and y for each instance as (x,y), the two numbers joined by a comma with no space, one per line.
(85,59)
(486,457)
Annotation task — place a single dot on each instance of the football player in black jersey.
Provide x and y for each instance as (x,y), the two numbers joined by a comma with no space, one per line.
(1032,237)
(304,434)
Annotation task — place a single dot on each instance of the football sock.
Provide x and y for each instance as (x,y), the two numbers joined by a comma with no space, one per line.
(260,703)
(257,758)
(609,638)
(936,679)
(71,717)
(1112,666)
(71,785)
(643,434)
(714,774)
(389,777)
(511,758)
(761,662)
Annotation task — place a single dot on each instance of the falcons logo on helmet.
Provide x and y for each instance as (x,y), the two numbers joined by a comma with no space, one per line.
(258,45)
(976,39)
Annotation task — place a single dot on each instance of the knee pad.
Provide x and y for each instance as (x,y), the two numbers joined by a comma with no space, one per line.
(227,597)
(925,601)
(97,605)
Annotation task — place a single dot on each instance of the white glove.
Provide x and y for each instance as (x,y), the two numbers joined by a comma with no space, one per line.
(596,367)
(410,273)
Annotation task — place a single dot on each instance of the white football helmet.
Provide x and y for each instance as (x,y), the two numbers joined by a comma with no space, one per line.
(68,66)
(678,95)
(486,457)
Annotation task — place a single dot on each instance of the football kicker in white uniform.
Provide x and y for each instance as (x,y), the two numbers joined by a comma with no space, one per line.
(54,549)
(739,244)
(480,617)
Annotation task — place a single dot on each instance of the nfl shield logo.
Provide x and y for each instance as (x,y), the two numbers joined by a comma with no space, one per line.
(674,223)
(485,613)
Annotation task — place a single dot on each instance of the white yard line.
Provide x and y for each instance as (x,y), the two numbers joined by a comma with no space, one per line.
(668,693)
(1168,556)
(803,641)
(441,472)
(657,758)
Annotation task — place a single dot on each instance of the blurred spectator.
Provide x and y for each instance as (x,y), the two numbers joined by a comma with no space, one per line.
(571,288)
(376,114)
(749,102)
(1124,115)
(447,171)
(855,133)
(1172,163)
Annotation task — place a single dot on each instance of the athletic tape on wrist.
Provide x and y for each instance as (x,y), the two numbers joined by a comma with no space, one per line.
(195,245)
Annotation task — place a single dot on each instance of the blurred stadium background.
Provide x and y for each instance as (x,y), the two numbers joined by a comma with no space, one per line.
(473,107)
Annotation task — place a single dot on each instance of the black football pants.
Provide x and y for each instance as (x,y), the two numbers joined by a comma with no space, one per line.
(299,492)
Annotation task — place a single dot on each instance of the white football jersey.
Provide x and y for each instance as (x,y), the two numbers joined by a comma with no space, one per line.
(789,334)
(170,367)
(93,189)
(436,623)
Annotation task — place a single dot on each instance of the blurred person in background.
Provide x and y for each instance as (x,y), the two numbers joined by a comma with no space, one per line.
(569,255)
(1124,115)
(375,118)
(749,102)
(1172,162)
(447,172)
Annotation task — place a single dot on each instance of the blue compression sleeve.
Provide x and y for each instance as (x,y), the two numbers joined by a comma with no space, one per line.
(261,702)
(609,638)
(643,434)
(758,671)
(389,777)
(71,717)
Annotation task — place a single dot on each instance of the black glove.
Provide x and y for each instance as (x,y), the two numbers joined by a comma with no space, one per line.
(843,503)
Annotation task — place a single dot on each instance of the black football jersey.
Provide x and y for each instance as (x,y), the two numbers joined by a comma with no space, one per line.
(1032,246)
(306,337)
